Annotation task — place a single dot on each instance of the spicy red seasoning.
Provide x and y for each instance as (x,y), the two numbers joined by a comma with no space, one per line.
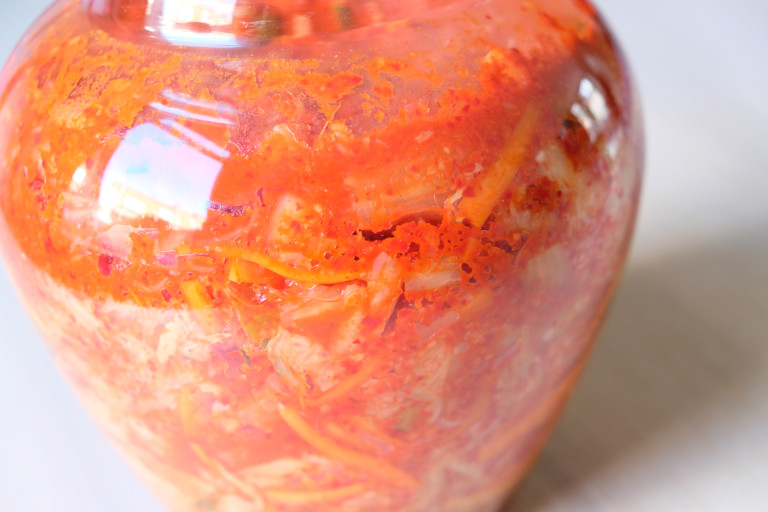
(319,255)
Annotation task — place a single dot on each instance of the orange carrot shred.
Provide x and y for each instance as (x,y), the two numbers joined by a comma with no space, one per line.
(497,178)
(373,465)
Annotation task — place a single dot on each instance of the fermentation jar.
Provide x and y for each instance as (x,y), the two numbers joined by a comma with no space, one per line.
(320,255)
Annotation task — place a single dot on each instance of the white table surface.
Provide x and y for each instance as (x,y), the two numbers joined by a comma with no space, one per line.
(672,413)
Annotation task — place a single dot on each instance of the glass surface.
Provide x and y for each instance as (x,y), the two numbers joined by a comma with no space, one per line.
(320,255)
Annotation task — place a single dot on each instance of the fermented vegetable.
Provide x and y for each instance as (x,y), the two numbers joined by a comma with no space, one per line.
(319,255)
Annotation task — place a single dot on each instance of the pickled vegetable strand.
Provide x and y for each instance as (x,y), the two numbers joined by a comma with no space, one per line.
(367,463)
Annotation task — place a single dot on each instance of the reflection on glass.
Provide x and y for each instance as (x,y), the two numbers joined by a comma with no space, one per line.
(591,110)
(190,115)
(214,108)
(155,173)
(199,22)
(78,178)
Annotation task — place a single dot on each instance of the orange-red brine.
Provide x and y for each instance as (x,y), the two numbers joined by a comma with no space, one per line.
(320,256)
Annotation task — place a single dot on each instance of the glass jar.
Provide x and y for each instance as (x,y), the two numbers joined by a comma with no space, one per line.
(320,255)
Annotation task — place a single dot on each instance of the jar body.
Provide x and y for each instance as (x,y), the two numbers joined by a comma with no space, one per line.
(320,257)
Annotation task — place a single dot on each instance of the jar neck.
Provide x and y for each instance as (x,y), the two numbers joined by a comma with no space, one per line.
(247,22)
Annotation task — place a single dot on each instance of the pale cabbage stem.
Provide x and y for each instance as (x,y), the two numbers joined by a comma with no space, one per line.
(373,465)
(497,178)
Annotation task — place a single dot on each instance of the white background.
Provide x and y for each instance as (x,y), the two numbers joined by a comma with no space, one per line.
(672,413)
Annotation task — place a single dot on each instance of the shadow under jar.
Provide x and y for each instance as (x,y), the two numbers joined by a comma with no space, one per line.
(320,255)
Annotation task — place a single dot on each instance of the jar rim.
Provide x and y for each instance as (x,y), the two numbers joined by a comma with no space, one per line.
(250,23)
